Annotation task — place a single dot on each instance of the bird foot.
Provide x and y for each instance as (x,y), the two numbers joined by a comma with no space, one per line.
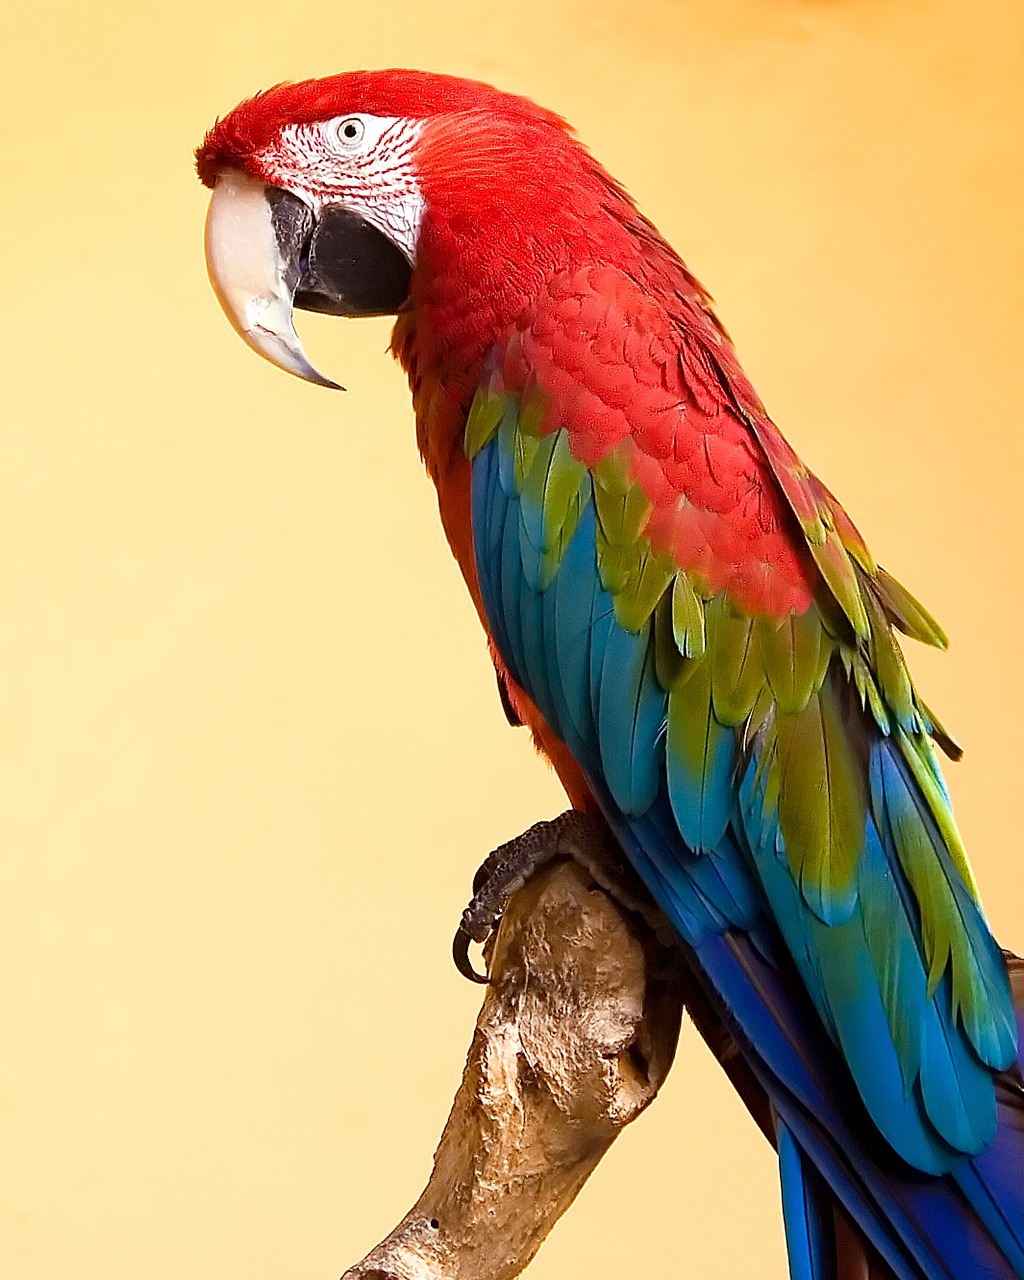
(578,836)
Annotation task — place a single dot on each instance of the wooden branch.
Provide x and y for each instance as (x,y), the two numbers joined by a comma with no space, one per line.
(576,1035)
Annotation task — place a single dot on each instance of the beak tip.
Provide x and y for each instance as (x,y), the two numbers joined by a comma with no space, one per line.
(290,356)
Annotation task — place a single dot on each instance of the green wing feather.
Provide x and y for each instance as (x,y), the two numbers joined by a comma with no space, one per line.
(774,725)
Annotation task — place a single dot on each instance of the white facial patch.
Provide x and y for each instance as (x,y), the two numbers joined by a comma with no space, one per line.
(358,162)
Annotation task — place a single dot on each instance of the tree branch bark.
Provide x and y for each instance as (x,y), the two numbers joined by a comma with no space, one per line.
(576,1036)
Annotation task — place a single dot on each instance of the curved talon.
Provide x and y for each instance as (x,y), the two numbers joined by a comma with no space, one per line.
(460,954)
(504,871)
(575,835)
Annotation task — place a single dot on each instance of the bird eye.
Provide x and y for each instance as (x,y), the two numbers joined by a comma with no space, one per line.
(350,132)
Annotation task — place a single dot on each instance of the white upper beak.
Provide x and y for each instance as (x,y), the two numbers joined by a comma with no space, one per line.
(248,274)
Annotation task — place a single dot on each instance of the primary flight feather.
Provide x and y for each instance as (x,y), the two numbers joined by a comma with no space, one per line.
(683,614)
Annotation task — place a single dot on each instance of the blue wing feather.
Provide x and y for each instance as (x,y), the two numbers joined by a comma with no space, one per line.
(490,509)
(573,598)
(602,623)
(807,1211)
(630,719)
(535,658)
(595,683)
(511,588)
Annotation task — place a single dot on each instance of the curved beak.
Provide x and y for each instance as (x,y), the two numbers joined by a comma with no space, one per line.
(267,253)
(253,275)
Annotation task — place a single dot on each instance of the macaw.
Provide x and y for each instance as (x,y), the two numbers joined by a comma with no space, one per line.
(685,617)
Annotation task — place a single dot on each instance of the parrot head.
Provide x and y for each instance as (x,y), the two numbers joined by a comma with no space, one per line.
(368,192)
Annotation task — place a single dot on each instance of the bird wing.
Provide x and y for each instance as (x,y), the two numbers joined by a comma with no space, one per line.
(700,623)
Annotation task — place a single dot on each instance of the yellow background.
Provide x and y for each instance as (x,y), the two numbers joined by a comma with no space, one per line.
(250,748)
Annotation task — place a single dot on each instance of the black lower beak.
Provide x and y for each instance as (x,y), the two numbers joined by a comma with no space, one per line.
(338,263)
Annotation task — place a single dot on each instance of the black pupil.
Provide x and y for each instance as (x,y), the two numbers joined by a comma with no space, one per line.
(350,131)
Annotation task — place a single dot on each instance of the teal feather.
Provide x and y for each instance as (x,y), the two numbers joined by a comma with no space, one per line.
(699,754)
(531,555)
(511,592)
(955,1086)
(631,717)
(895,954)
(562,721)
(505,446)
(602,626)
(953,930)
(856,1011)
(531,496)
(574,591)
(490,508)
(536,669)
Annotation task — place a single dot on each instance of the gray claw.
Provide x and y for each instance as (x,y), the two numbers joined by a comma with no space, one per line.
(573,834)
